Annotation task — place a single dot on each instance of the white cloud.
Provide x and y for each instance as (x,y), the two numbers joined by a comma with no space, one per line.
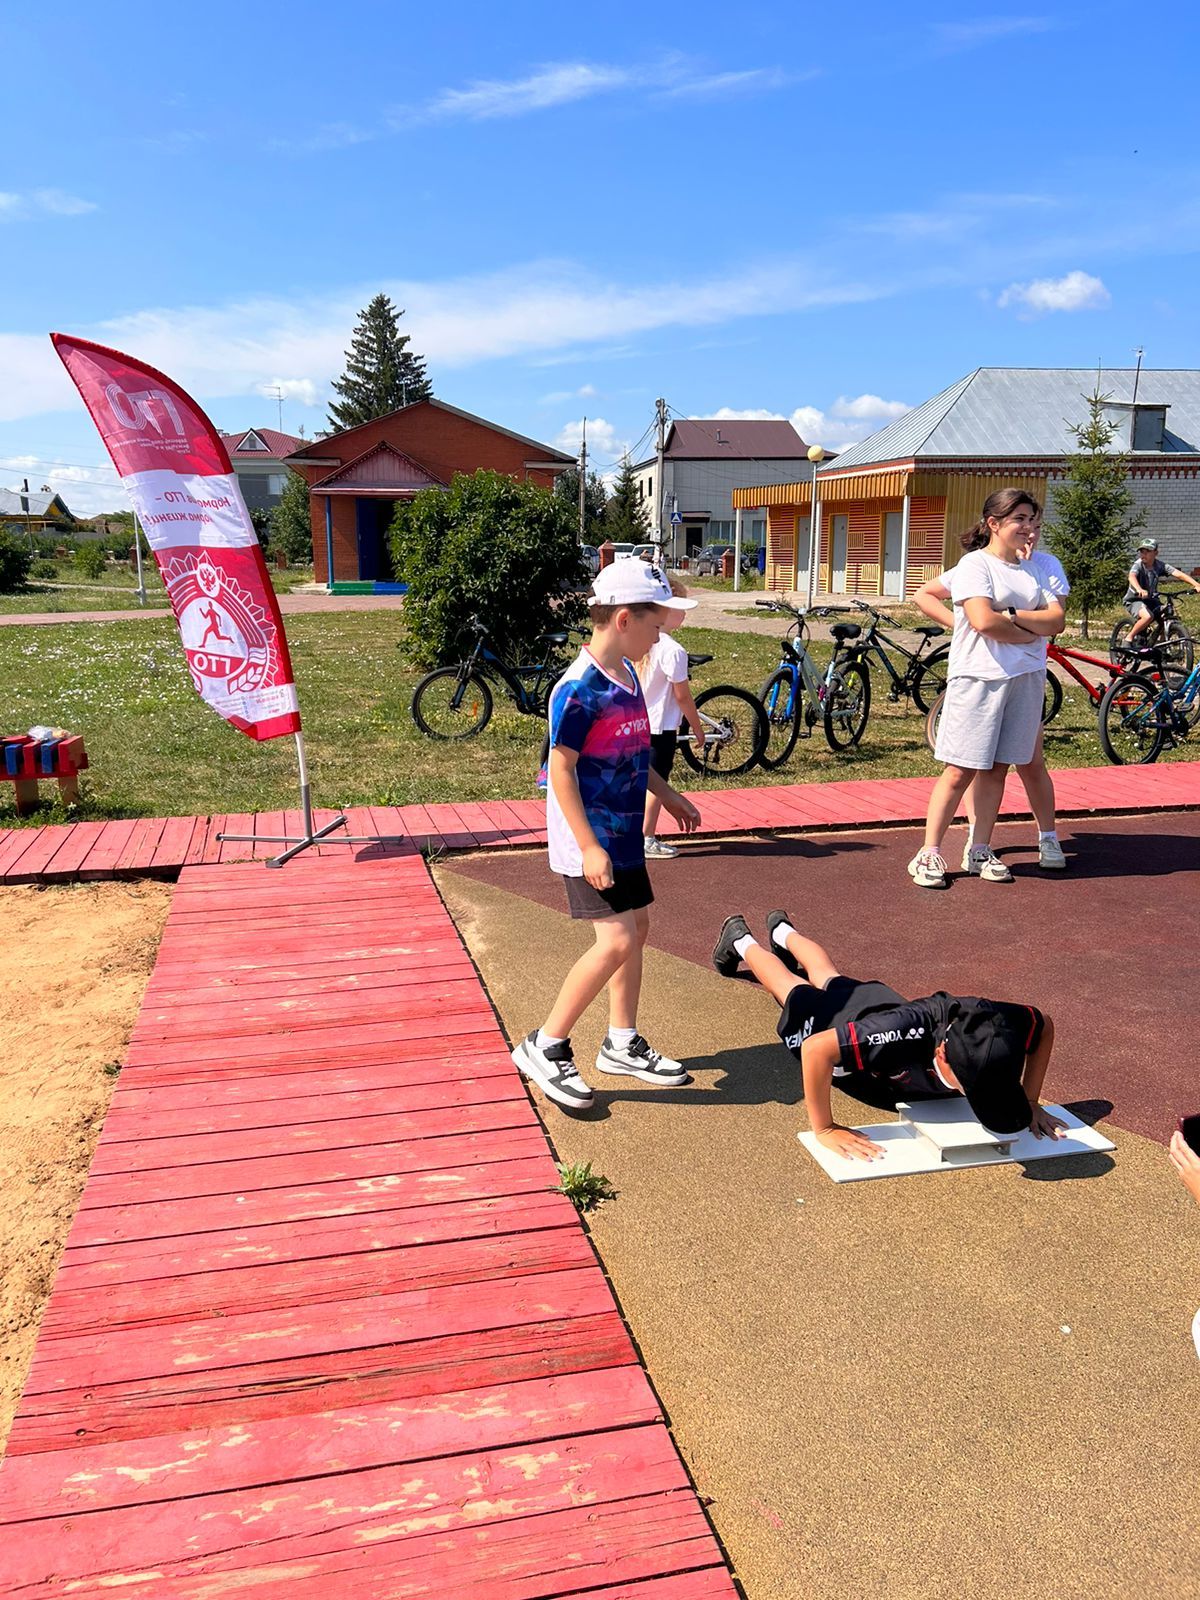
(1077,291)
(42,202)
(949,37)
(602,441)
(558,397)
(302,390)
(719,84)
(553,85)
(845,423)
(868,408)
(87,491)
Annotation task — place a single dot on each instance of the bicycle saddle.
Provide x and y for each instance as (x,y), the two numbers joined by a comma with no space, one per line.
(842,631)
(553,638)
(929,630)
(697,661)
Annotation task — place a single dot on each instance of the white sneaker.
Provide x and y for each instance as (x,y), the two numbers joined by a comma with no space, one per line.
(638,1059)
(553,1070)
(927,870)
(981,863)
(656,850)
(1050,855)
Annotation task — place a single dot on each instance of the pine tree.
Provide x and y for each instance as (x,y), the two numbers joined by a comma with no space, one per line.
(1091,530)
(381,373)
(625,518)
(566,487)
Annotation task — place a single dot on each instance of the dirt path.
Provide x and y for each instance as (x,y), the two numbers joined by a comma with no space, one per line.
(73,966)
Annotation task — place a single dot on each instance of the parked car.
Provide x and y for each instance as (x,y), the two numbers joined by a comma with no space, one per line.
(708,562)
(647,552)
(591,559)
(622,549)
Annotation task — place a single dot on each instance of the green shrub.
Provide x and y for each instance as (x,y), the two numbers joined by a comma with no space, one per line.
(15,559)
(43,569)
(91,558)
(507,551)
(291,522)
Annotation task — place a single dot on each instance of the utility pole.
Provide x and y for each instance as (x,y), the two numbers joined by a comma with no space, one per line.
(660,488)
(583,483)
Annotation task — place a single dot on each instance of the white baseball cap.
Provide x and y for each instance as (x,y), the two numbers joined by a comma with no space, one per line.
(633,583)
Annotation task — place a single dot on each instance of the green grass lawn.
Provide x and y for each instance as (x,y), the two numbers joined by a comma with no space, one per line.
(156,750)
(114,590)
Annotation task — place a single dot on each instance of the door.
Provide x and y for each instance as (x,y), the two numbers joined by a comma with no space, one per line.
(837,584)
(368,539)
(893,574)
(803,546)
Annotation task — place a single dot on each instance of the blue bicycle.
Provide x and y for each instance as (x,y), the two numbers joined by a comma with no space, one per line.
(1140,716)
(796,694)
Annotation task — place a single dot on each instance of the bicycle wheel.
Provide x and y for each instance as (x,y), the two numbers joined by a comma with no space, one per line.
(450,705)
(933,720)
(1178,650)
(783,719)
(1132,731)
(1052,699)
(1118,651)
(734,730)
(931,680)
(847,706)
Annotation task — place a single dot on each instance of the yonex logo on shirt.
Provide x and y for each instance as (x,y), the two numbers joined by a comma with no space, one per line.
(642,725)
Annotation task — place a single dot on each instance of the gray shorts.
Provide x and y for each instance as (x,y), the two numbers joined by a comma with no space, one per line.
(986,720)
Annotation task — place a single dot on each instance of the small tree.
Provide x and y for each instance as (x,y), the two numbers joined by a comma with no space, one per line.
(506,551)
(15,558)
(381,373)
(625,516)
(1091,530)
(291,522)
(566,489)
(91,558)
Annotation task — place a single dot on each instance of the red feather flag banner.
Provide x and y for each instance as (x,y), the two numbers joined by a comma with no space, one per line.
(178,474)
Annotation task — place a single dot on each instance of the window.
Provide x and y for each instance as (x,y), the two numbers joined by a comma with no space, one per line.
(758,530)
(275,482)
(252,442)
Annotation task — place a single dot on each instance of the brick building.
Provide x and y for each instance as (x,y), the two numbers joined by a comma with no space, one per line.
(891,508)
(356,477)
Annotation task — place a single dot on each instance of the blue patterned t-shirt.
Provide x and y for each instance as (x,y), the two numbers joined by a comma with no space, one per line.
(605,722)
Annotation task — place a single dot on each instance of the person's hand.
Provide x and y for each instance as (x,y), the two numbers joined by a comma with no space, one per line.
(1045,1125)
(848,1142)
(1186,1163)
(597,867)
(682,809)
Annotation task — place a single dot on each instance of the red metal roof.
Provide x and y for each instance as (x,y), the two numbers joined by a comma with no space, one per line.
(278,444)
(707,439)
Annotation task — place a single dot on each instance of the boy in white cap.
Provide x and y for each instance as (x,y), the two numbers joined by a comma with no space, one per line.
(599,771)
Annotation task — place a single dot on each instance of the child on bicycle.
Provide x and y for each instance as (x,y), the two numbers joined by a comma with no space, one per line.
(868,1040)
(1141,597)
(599,771)
(663,673)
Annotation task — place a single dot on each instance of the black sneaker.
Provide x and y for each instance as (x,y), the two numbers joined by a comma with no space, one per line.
(774,918)
(639,1059)
(553,1070)
(724,957)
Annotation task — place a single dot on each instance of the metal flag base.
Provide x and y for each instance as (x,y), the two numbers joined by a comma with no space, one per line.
(309,837)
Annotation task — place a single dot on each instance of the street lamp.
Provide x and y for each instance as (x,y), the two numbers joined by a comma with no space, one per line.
(816,455)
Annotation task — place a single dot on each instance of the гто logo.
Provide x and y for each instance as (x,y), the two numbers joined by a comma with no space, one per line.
(226,637)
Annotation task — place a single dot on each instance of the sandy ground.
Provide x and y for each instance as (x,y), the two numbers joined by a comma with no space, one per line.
(977,1384)
(73,964)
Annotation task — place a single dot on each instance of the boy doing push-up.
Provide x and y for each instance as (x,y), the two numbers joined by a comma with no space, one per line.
(867,1038)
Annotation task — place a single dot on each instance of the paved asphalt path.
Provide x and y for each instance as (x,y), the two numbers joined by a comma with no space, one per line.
(971,1384)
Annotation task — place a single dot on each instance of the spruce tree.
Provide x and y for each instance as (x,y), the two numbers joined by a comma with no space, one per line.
(625,518)
(381,373)
(1091,530)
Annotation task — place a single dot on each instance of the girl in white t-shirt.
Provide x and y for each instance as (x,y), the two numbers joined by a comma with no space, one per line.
(992,714)
(664,678)
(931,598)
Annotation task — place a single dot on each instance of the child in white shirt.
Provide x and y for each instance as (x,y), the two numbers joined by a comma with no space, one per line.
(664,678)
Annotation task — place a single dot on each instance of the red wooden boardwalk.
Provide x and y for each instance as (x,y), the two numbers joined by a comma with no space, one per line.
(159,847)
(321,1327)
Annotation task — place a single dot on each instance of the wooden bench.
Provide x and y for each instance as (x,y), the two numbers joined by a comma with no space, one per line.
(24,762)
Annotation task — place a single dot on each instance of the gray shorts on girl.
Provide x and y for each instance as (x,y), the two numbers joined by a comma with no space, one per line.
(985,720)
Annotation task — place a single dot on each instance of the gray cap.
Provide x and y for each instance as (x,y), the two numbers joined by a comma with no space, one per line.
(1147,544)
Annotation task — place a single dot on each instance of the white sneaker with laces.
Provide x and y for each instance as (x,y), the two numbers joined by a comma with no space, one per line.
(656,850)
(639,1059)
(1050,855)
(981,863)
(553,1070)
(927,870)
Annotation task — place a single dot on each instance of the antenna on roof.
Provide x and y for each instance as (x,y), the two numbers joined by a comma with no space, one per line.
(275,392)
(1137,373)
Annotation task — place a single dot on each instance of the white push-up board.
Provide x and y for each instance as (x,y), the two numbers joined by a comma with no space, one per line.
(940,1135)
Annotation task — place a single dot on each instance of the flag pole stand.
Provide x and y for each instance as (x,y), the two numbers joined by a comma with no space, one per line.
(310,835)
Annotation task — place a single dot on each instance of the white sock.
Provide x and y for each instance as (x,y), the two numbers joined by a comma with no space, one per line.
(743,944)
(621,1038)
(970,834)
(650,838)
(543,1039)
(780,934)
(1053,834)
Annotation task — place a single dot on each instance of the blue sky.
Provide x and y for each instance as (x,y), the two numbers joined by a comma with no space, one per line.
(738,207)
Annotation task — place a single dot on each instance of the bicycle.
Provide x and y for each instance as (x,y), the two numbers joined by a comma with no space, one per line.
(1140,715)
(456,702)
(1167,633)
(795,694)
(924,676)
